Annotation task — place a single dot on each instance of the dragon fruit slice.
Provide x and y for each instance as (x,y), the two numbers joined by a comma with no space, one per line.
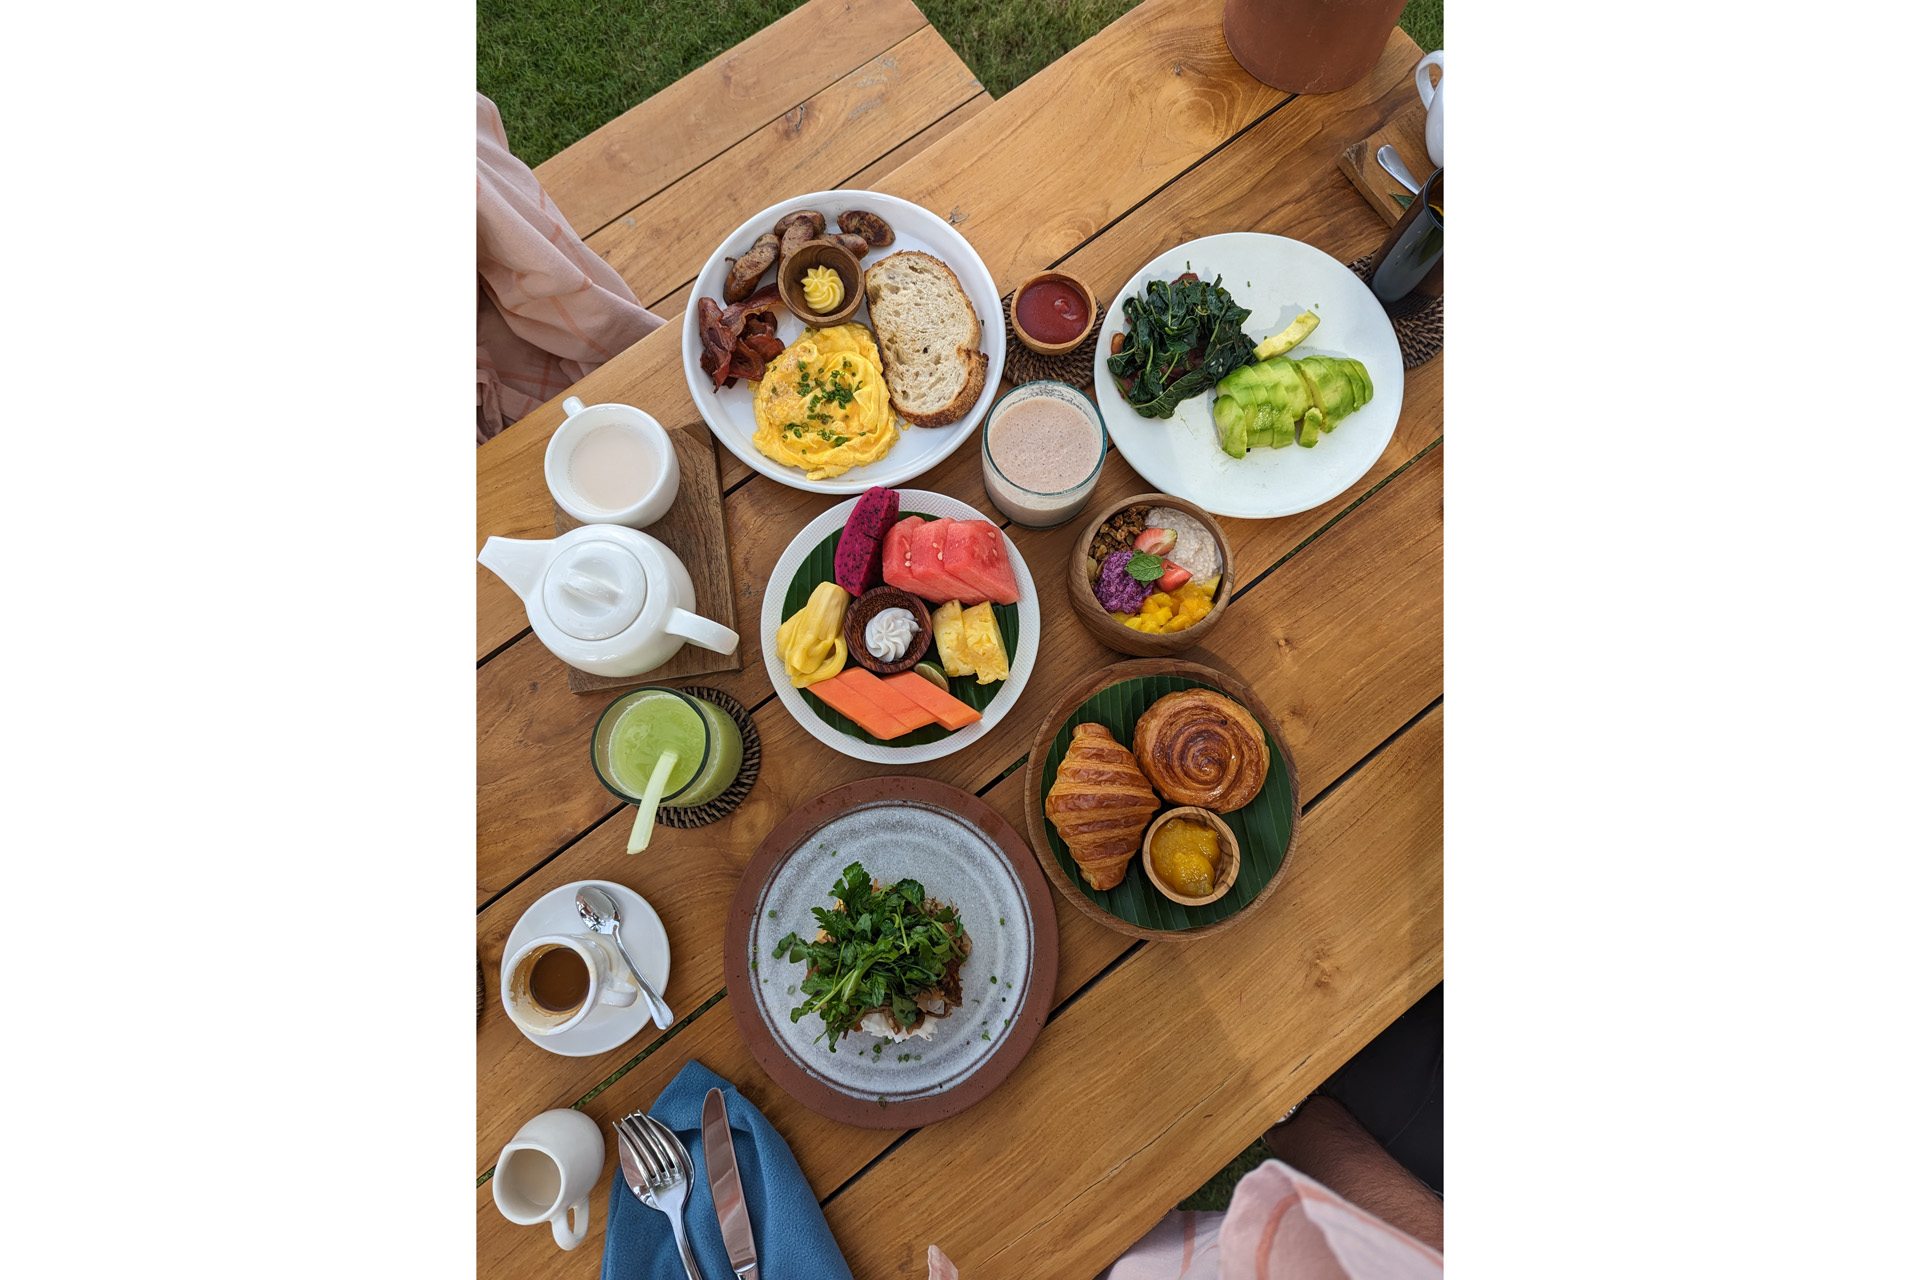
(856,561)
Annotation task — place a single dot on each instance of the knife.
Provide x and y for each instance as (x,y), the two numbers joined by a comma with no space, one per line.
(723,1178)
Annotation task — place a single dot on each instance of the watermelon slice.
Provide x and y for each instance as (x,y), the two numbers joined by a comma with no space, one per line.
(947,709)
(843,696)
(929,540)
(976,554)
(889,699)
(896,558)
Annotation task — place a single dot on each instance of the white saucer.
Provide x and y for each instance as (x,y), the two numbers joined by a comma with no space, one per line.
(646,941)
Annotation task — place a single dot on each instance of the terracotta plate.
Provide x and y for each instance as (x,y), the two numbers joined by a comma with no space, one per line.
(965,854)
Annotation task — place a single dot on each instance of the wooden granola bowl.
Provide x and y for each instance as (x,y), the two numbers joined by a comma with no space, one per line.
(822,253)
(1072,282)
(861,612)
(1143,644)
(1223,876)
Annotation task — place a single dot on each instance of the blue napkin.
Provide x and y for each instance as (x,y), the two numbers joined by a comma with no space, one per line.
(790,1233)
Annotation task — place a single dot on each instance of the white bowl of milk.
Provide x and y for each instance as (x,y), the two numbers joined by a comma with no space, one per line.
(612,464)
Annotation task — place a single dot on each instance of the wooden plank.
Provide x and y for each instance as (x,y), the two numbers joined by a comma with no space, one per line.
(837,132)
(1376,836)
(919,142)
(1343,642)
(1262,188)
(1084,1148)
(707,111)
(1251,185)
(1406,132)
(675,303)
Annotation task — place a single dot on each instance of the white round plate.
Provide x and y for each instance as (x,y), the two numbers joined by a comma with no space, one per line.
(955,863)
(729,411)
(1021,666)
(1276,279)
(646,941)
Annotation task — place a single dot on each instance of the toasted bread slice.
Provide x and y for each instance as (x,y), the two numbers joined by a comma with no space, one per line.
(929,338)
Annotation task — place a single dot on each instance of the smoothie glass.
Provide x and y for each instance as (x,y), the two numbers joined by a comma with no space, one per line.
(637,727)
(1054,503)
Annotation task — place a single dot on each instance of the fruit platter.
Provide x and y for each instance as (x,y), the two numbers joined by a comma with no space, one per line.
(900,626)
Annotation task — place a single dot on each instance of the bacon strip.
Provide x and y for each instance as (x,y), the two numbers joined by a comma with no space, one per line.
(737,342)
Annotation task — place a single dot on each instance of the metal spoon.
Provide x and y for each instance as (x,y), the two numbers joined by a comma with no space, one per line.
(1390,161)
(598,913)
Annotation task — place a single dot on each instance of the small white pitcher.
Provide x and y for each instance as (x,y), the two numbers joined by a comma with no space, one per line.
(547,1174)
(1433,98)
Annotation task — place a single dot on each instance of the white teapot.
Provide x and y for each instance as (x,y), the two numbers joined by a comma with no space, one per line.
(606,599)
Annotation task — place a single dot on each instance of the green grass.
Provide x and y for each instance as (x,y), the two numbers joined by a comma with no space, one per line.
(1217,1192)
(559,69)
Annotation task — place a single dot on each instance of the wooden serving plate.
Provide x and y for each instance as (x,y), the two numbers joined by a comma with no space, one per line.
(1264,849)
(1143,644)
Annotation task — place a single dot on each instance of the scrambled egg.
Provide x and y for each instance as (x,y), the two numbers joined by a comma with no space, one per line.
(823,405)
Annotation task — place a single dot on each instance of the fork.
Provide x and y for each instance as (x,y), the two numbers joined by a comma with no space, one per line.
(659,1172)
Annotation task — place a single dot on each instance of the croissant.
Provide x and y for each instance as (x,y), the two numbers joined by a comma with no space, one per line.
(1202,748)
(1100,804)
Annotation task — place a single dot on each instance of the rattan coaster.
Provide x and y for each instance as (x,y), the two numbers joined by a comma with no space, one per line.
(1417,319)
(480,1011)
(1075,367)
(730,799)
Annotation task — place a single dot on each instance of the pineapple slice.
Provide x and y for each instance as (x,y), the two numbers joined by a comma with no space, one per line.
(985,650)
(949,636)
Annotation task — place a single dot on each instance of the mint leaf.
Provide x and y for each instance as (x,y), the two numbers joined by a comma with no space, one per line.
(1144,568)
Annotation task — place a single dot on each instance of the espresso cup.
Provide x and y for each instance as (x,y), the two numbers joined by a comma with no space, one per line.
(547,1174)
(563,997)
(612,464)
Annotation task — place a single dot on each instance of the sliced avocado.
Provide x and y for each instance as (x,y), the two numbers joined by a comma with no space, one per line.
(1289,338)
(1233,431)
(1334,395)
(1310,426)
(1366,379)
(1289,392)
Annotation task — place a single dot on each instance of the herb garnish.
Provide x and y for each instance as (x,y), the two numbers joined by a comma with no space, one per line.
(1145,568)
(883,947)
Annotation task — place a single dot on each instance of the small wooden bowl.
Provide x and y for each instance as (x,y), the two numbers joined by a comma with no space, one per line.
(1142,644)
(822,253)
(861,612)
(1079,286)
(1223,876)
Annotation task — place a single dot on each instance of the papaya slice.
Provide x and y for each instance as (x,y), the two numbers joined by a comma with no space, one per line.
(842,695)
(947,709)
(890,700)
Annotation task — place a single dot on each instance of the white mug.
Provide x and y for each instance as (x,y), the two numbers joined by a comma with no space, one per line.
(643,443)
(609,982)
(1433,98)
(547,1174)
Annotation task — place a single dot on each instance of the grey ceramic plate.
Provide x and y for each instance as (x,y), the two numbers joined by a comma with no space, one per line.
(965,854)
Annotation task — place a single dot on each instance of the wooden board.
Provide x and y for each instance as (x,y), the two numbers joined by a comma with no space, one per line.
(695,529)
(707,111)
(663,243)
(1342,642)
(1406,132)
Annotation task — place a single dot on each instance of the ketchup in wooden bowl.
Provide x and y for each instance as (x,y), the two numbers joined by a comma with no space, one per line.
(1052,313)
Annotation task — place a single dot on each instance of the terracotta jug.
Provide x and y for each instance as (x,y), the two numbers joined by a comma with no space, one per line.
(1309,46)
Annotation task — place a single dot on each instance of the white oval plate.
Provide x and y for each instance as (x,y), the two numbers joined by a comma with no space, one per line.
(729,411)
(1275,278)
(936,504)
(646,941)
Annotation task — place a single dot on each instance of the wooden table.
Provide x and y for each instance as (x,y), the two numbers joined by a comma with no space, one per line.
(1161,1060)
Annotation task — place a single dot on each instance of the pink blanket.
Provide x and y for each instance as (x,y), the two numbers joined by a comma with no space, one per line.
(550,309)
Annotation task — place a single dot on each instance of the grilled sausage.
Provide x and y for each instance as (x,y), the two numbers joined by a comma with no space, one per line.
(750,266)
(799,233)
(855,245)
(813,216)
(870,227)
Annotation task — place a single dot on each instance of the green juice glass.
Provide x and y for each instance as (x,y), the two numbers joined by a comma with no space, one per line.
(638,727)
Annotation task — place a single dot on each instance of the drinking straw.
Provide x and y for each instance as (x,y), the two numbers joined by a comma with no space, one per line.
(650,801)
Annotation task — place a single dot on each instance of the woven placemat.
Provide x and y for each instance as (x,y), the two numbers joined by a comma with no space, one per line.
(1418,320)
(730,799)
(1075,367)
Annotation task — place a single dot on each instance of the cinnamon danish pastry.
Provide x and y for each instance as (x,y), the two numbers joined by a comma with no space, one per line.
(1202,748)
